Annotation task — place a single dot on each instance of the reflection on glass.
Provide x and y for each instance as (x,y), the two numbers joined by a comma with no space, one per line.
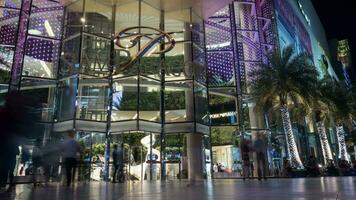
(46,19)
(41,91)
(91,163)
(149,105)
(92,99)
(8,30)
(226,151)
(175,22)
(223,106)
(69,63)
(198,48)
(67,89)
(97,18)
(178,96)
(125,97)
(174,148)
(95,56)
(201,104)
(74,20)
(177,65)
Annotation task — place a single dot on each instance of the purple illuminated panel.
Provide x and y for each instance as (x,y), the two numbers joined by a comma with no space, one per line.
(220,67)
(219,49)
(40,49)
(19,51)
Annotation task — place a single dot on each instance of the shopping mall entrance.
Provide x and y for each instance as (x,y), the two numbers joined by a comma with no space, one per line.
(143,158)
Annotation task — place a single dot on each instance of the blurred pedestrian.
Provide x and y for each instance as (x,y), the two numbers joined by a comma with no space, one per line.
(260,149)
(37,162)
(70,150)
(245,152)
(117,156)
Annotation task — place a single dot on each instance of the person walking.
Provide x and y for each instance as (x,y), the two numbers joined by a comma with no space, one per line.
(260,149)
(117,156)
(37,162)
(245,149)
(12,152)
(70,150)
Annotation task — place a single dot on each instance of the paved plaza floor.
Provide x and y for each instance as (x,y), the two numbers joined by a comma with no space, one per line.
(276,189)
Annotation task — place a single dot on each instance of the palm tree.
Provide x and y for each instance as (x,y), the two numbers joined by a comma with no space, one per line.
(323,106)
(342,114)
(286,78)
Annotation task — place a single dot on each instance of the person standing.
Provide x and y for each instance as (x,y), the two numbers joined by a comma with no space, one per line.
(12,151)
(70,151)
(117,156)
(37,162)
(260,149)
(245,149)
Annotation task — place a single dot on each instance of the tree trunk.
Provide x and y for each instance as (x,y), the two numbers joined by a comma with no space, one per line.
(292,149)
(325,147)
(340,132)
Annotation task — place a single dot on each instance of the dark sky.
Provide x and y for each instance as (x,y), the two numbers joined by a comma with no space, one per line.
(339,20)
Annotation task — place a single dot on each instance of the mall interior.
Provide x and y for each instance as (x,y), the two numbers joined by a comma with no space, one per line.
(166,80)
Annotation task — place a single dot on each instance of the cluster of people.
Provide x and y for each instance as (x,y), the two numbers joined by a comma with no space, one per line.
(218,167)
(259,147)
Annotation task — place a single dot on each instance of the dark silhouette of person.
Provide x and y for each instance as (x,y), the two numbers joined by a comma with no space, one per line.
(14,119)
(312,166)
(117,156)
(245,155)
(287,168)
(37,161)
(70,150)
(260,149)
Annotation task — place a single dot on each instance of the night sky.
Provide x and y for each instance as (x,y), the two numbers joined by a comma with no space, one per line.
(339,20)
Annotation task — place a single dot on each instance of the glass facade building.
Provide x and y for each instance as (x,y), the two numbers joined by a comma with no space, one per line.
(170,84)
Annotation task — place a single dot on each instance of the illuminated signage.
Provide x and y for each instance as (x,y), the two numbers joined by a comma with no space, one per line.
(220,115)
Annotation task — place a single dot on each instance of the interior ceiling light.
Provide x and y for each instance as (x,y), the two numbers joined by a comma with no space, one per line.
(49,28)
(34,32)
(45,68)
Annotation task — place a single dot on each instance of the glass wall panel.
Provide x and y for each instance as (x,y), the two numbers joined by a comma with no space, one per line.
(46,19)
(177,65)
(149,100)
(177,22)
(42,93)
(178,96)
(41,57)
(201,104)
(93,97)
(98,18)
(150,63)
(8,28)
(223,106)
(74,19)
(70,55)
(91,162)
(220,69)
(173,162)
(198,48)
(67,92)
(95,55)
(126,16)
(125,99)
(226,152)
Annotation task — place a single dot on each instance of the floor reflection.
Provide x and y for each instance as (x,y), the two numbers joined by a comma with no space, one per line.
(312,188)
